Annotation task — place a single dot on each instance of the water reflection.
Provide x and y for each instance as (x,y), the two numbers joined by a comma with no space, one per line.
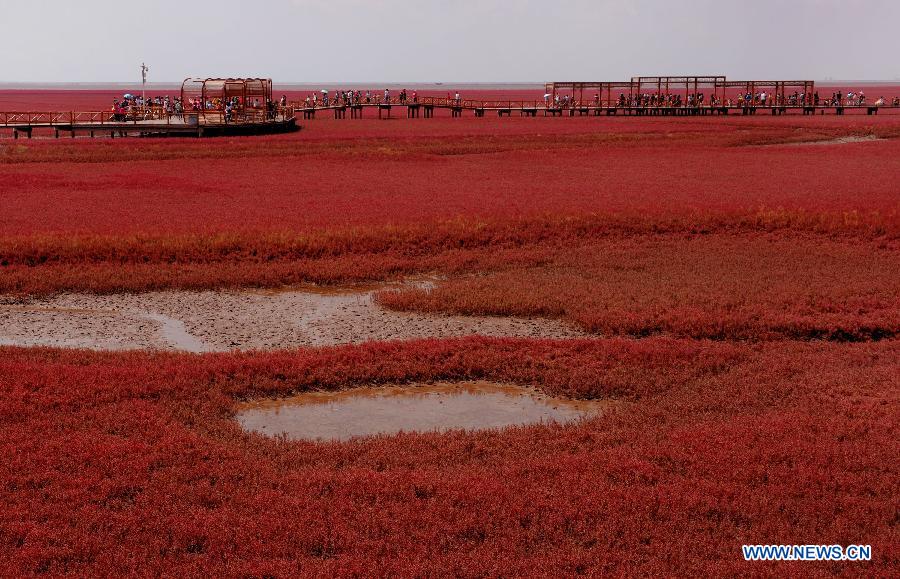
(385,410)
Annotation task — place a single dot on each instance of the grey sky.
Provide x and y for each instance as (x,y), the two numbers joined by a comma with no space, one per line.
(447,40)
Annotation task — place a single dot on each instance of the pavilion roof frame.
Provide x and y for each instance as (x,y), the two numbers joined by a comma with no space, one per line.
(717,84)
(779,87)
(251,92)
(709,79)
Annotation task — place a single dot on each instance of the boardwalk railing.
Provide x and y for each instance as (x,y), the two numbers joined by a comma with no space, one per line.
(572,107)
(34,118)
(134,116)
(592,104)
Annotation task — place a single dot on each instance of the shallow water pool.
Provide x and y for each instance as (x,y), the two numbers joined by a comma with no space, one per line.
(386,410)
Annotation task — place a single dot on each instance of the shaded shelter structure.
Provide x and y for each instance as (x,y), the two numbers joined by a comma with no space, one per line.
(715,89)
(712,86)
(778,90)
(244,99)
(607,92)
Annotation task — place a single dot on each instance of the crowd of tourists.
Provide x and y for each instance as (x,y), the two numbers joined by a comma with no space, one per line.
(132,107)
(351,98)
(342,98)
(135,107)
(699,99)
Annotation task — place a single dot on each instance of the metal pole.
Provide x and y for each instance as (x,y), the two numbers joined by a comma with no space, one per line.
(144,70)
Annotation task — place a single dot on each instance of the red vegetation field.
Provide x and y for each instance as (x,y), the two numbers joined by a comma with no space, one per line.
(741,275)
(365,173)
(129,463)
(409,196)
(701,286)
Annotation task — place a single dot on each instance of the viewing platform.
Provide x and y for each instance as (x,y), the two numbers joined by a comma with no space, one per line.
(110,124)
(204,108)
(426,106)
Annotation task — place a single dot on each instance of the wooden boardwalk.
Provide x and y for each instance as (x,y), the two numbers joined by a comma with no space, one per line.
(425,107)
(109,124)
(285,119)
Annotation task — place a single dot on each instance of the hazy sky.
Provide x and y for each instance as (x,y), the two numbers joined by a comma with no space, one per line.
(447,40)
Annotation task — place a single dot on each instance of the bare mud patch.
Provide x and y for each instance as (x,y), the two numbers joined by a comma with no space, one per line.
(415,408)
(209,321)
(845,140)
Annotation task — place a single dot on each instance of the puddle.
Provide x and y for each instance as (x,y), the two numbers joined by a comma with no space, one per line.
(388,410)
(176,335)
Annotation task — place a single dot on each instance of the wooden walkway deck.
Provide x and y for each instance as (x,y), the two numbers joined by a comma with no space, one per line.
(108,124)
(426,106)
(285,120)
